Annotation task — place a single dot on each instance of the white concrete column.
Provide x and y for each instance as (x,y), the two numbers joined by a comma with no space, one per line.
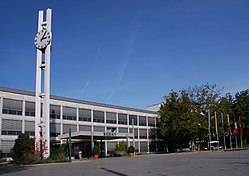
(23,108)
(77,118)
(1,105)
(38,87)
(116,118)
(105,148)
(47,88)
(92,143)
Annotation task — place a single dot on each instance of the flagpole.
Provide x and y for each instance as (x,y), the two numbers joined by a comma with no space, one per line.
(216,128)
(230,132)
(236,132)
(223,131)
(241,131)
(209,134)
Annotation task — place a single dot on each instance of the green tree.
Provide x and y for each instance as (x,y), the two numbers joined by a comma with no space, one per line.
(184,115)
(241,108)
(179,122)
(23,150)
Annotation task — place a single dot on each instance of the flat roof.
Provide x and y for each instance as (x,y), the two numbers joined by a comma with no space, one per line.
(29,93)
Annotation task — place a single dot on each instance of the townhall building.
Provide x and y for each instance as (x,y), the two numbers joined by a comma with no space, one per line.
(103,124)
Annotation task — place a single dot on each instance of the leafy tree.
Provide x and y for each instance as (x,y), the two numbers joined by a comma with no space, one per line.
(179,119)
(241,108)
(22,151)
(184,116)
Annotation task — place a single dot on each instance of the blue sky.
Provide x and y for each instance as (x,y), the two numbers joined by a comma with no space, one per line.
(128,52)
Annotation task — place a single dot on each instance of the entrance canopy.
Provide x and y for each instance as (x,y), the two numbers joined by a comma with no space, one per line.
(86,135)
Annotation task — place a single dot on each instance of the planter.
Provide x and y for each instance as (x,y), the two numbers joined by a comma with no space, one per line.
(96,157)
(131,155)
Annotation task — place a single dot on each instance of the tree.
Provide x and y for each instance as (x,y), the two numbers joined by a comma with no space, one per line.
(23,149)
(184,116)
(179,122)
(241,108)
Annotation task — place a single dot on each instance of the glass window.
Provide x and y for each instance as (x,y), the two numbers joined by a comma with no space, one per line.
(67,126)
(11,106)
(69,113)
(85,128)
(143,146)
(142,121)
(12,125)
(132,117)
(143,134)
(30,133)
(123,130)
(29,126)
(99,129)
(122,119)
(55,112)
(98,116)
(7,145)
(85,115)
(29,108)
(151,121)
(111,117)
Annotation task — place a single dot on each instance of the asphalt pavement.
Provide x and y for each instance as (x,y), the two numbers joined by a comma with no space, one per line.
(218,163)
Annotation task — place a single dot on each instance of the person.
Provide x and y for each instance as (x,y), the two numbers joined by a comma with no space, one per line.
(80,155)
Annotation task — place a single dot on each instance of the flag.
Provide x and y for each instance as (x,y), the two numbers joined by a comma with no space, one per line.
(223,130)
(228,121)
(240,126)
(216,124)
(222,123)
(236,130)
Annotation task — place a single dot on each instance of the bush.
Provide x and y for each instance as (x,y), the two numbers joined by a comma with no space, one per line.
(121,149)
(131,149)
(58,152)
(22,152)
(96,150)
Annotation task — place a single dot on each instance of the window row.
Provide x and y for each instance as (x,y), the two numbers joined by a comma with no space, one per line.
(14,107)
(14,127)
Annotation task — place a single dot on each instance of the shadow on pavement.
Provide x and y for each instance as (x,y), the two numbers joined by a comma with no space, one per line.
(114,172)
(4,169)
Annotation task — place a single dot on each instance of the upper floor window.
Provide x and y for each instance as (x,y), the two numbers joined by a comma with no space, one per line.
(98,116)
(122,119)
(69,113)
(151,121)
(11,106)
(29,108)
(85,115)
(55,112)
(142,121)
(111,117)
(134,118)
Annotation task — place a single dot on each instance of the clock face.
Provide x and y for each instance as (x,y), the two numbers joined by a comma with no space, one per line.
(42,39)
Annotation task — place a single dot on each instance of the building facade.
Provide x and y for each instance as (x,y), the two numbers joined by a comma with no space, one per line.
(109,124)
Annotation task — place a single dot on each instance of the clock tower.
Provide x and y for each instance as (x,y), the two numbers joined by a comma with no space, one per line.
(43,42)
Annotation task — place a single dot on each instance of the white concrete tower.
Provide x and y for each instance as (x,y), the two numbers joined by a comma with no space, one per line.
(43,42)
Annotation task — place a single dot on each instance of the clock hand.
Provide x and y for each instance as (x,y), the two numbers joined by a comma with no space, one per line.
(43,37)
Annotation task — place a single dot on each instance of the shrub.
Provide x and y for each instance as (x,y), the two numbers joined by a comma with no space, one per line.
(120,149)
(96,150)
(58,152)
(131,149)
(22,152)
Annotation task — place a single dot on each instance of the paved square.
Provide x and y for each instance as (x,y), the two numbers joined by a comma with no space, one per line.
(187,164)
